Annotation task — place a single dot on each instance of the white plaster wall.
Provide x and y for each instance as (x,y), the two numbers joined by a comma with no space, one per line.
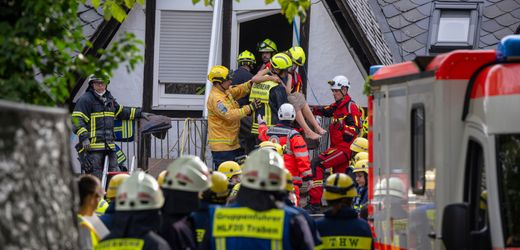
(328,57)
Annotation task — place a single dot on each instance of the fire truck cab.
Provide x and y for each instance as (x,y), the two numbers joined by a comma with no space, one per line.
(444,148)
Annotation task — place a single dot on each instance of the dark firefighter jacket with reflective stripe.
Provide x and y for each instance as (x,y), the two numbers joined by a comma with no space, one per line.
(344,230)
(93,118)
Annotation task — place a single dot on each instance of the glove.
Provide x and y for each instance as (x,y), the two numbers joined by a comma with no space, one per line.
(146,115)
(259,119)
(86,144)
(86,163)
(255,105)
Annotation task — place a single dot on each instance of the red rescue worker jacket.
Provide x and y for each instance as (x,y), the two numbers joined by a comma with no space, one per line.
(296,155)
(345,124)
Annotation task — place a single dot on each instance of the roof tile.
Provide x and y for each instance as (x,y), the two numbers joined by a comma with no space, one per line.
(382,3)
(413,15)
(390,11)
(506,19)
(400,36)
(421,2)
(411,45)
(424,24)
(391,1)
(409,57)
(490,26)
(492,11)
(397,22)
(503,32)
(426,9)
(507,5)
(412,30)
(489,39)
(422,38)
(515,13)
(421,51)
(405,5)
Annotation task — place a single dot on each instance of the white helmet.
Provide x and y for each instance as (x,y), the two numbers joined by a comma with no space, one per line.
(264,170)
(339,81)
(395,188)
(139,192)
(286,112)
(187,173)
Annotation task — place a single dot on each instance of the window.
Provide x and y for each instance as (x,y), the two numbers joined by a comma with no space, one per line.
(453,26)
(475,192)
(418,149)
(508,164)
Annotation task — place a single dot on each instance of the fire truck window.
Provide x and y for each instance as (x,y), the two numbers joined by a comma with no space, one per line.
(508,164)
(418,149)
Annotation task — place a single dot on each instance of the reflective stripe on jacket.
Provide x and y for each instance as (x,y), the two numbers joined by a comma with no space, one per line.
(272,95)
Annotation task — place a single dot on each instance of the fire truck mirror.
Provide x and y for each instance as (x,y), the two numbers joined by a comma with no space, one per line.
(455,226)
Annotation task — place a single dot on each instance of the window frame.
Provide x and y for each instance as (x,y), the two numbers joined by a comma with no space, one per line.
(413,148)
(436,46)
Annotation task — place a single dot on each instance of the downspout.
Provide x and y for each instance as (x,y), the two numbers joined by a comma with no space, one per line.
(213,49)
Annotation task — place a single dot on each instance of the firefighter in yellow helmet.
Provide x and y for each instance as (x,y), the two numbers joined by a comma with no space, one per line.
(257,208)
(108,216)
(341,228)
(267,49)
(360,144)
(137,217)
(361,172)
(272,145)
(359,156)
(224,114)
(232,171)
(217,194)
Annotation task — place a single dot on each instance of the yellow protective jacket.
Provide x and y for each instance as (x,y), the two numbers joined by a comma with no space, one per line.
(224,116)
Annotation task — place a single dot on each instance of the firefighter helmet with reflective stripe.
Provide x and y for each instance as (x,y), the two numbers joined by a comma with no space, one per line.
(229,168)
(360,144)
(392,186)
(360,156)
(281,61)
(297,55)
(114,184)
(187,173)
(339,186)
(267,45)
(338,82)
(219,74)
(264,170)
(272,145)
(246,58)
(286,112)
(139,192)
(160,177)
(361,166)
(104,78)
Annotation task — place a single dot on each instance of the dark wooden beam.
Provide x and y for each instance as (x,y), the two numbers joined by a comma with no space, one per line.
(304,43)
(226,32)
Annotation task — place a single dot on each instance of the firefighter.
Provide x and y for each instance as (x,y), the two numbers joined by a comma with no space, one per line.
(361,172)
(246,61)
(270,93)
(137,216)
(274,146)
(359,145)
(232,171)
(257,220)
(344,128)
(341,228)
(267,48)
(186,177)
(296,155)
(224,112)
(297,99)
(108,217)
(91,230)
(93,120)
(358,157)
(217,194)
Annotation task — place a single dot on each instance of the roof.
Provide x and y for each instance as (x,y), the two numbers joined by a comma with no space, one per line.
(90,18)
(402,26)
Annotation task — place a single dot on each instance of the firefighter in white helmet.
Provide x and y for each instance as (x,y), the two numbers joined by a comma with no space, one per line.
(137,218)
(344,128)
(257,220)
(391,196)
(341,228)
(187,176)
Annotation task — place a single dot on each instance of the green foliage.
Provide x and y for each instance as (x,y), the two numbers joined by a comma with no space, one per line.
(367,89)
(40,56)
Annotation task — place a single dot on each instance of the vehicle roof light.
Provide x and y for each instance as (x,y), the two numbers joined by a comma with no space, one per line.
(509,48)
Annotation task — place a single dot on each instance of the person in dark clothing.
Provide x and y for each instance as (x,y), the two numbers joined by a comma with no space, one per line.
(186,177)
(216,195)
(361,172)
(137,217)
(341,228)
(264,178)
(93,121)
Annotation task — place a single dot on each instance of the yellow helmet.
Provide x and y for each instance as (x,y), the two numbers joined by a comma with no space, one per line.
(289,186)
(219,74)
(272,145)
(483,200)
(160,177)
(246,58)
(297,55)
(364,130)
(114,184)
(219,184)
(281,61)
(101,207)
(360,156)
(360,144)
(267,45)
(229,168)
(339,186)
(361,166)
